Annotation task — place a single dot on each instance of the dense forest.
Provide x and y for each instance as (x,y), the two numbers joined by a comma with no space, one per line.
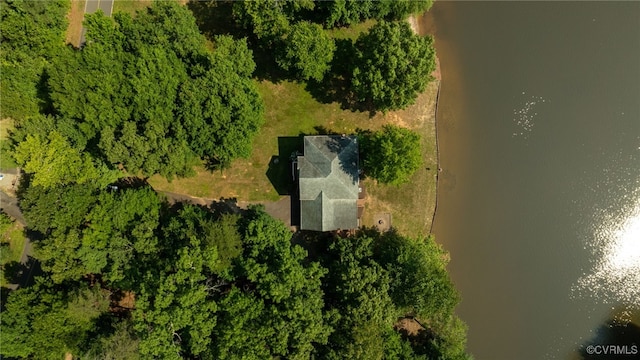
(144,94)
(124,273)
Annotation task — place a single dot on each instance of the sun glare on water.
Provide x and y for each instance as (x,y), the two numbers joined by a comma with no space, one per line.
(615,276)
(625,252)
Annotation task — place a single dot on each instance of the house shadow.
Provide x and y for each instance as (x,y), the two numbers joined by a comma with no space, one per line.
(617,335)
(295,206)
(281,171)
(336,86)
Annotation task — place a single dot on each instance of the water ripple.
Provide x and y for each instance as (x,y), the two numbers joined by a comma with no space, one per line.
(525,116)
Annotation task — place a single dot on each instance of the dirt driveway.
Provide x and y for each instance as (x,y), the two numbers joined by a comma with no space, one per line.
(281,209)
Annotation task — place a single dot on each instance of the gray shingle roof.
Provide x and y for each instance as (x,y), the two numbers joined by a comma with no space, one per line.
(328,176)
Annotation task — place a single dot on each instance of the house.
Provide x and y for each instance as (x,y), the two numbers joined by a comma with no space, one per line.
(328,183)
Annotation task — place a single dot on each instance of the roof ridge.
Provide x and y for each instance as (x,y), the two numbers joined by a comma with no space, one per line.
(346,185)
(320,151)
(322,205)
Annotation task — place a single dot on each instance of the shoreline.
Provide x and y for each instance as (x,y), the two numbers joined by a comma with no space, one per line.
(437,75)
(439,168)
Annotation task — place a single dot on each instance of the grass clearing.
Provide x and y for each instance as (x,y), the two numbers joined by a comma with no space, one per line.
(75,18)
(12,241)
(292,111)
(351,32)
(130,6)
(411,205)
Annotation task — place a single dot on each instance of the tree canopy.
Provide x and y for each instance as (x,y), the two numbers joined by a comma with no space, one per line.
(45,321)
(392,65)
(182,281)
(375,278)
(146,95)
(391,155)
(349,12)
(31,33)
(221,110)
(308,51)
(275,306)
(92,233)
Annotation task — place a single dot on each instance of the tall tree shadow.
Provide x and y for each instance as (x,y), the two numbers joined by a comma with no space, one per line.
(43,91)
(215,17)
(22,274)
(616,338)
(336,85)
(266,66)
(225,206)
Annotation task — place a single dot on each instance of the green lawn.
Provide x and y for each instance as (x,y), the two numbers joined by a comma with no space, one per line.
(290,112)
(411,205)
(12,239)
(130,6)
(351,32)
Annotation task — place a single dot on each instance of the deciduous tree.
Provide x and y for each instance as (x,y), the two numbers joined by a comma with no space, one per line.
(358,289)
(346,12)
(222,111)
(350,12)
(269,20)
(391,155)
(31,32)
(89,232)
(420,284)
(392,65)
(175,313)
(147,95)
(52,161)
(307,51)
(275,308)
(45,321)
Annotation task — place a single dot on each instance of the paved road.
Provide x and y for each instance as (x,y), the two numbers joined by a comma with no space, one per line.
(10,206)
(92,6)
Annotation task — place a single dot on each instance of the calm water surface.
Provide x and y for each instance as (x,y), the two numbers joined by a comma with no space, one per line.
(539,197)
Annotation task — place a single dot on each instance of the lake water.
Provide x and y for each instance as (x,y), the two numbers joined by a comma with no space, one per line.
(539,194)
